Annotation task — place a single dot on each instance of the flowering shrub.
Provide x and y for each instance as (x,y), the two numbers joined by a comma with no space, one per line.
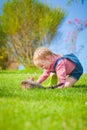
(78,25)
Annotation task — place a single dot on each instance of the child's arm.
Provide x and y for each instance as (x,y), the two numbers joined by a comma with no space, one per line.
(44,76)
(61,73)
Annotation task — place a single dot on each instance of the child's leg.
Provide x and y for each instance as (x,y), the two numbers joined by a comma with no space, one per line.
(70,82)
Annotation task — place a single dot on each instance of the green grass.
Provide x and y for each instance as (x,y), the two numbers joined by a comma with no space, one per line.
(39,109)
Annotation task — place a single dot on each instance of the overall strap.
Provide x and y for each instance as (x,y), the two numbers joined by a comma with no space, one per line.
(58,61)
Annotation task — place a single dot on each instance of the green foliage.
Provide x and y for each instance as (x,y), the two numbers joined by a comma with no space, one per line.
(3,51)
(29,24)
(39,109)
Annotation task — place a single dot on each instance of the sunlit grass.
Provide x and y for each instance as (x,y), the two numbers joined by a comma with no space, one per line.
(39,109)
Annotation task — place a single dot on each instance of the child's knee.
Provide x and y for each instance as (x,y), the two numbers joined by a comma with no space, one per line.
(70,82)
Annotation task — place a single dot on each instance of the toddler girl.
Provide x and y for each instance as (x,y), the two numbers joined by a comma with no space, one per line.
(67,67)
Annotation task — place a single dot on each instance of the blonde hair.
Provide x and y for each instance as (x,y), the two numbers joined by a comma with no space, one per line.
(40,54)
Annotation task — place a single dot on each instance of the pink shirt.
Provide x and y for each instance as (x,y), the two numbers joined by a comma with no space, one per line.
(63,68)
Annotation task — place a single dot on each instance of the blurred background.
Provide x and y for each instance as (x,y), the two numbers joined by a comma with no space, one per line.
(68,35)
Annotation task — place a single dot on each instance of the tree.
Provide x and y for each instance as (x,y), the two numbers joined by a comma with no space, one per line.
(28,24)
(3,52)
(77,25)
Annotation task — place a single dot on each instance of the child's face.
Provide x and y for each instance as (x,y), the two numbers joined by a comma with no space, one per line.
(45,64)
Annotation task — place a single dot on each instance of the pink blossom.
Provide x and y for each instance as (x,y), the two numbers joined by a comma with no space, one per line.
(86,23)
(77,20)
(69,21)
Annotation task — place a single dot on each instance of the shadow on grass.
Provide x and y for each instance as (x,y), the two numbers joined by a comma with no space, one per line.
(32,93)
(80,86)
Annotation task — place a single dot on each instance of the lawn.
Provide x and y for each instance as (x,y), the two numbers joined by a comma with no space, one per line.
(40,109)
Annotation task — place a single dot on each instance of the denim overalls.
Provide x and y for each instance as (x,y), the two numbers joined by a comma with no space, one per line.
(77,72)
